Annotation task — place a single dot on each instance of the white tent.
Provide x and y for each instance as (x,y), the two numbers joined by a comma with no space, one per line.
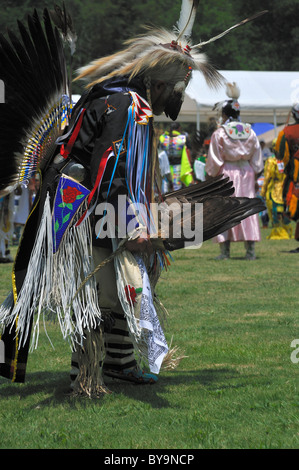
(265,96)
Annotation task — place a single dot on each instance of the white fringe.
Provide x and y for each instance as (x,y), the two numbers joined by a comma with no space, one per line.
(145,333)
(5,310)
(137,334)
(51,283)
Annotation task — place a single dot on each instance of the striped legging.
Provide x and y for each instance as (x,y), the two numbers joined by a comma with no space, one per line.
(119,350)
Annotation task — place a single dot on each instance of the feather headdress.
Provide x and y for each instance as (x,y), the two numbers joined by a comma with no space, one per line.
(232,90)
(233,93)
(160,54)
(155,54)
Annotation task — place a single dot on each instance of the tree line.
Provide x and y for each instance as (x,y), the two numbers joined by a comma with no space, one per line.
(268,43)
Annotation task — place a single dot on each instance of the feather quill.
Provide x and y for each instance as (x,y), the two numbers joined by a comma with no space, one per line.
(187,18)
(215,38)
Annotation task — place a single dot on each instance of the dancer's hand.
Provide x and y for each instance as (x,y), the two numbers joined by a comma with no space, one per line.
(141,244)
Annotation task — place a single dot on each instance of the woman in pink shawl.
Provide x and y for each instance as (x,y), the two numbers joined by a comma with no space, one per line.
(235,151)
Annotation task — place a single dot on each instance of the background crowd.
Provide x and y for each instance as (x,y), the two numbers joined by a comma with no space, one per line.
(187,158)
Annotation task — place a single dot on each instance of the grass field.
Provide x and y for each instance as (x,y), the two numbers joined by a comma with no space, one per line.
(236,389)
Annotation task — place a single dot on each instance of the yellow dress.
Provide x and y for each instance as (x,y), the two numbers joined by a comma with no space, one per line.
(267,186)
(272,191)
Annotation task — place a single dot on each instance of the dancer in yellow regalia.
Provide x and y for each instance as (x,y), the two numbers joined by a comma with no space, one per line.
(272,191)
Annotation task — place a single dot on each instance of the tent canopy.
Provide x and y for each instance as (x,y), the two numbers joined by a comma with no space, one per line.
(264,96)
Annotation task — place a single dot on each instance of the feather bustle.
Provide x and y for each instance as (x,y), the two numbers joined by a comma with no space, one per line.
(37,57)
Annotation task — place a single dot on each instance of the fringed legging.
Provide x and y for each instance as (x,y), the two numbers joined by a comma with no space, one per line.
(119,350)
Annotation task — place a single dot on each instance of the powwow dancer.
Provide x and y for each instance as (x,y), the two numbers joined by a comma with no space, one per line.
(97,285)
(235,151)
(174,143)
(272,191)
(287,150)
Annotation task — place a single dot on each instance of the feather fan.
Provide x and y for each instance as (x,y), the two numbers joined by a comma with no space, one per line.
(221,211)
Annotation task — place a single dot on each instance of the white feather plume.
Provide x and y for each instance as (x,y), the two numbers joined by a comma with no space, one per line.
(187,18)
(232,90)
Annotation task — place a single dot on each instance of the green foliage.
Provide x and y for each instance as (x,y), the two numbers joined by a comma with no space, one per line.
(269,43)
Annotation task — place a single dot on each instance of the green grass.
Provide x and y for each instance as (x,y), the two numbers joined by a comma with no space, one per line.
(237,387)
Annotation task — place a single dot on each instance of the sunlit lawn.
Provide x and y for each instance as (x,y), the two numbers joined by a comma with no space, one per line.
(237,388)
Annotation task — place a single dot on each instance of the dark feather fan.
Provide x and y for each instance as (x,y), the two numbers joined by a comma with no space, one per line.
(221,211)
(37,104)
